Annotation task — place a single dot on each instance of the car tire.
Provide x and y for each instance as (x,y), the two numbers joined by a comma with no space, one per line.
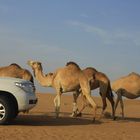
(7,110)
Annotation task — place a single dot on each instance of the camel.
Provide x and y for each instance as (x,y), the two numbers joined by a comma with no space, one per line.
(67,79)
(96,80)
(127,86)
(14,70)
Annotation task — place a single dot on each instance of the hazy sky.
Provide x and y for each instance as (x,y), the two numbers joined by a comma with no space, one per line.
(104,34)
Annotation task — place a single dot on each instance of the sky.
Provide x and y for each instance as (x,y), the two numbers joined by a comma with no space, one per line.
(104,34)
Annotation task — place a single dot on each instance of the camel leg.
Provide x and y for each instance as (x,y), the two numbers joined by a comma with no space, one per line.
(103,96)
(75,108)
(116,104)
(122,106)
(93,104)
(110,98)
(119,98)
(85,104)
(117,101)
(87,97)
(57,104)
(85,87)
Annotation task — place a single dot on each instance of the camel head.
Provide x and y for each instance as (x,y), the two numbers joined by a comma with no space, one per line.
(50,77)
(35,65)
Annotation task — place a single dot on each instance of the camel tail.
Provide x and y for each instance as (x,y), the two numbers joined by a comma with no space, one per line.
(110,91)
(32,79)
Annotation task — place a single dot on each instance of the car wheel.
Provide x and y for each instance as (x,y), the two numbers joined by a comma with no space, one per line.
(7,110)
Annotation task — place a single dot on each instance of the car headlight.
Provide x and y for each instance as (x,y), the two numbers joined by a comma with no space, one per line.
(28,87)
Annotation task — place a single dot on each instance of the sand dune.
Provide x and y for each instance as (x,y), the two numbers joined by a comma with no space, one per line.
(40,123)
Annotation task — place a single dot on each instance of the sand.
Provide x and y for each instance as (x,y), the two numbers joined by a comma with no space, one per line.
(40,124)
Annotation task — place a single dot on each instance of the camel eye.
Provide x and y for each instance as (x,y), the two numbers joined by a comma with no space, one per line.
(33,63)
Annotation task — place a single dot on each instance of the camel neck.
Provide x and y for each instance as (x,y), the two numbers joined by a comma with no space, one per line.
(40,77)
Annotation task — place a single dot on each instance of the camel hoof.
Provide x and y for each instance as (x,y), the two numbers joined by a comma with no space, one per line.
(57,116)
(123,118)
(93,121)
(79,114)
(114,118)
(73,115)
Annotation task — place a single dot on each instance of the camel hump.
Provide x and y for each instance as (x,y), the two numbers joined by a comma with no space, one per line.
(15,65)
(102,77)
(133,76)
(91,68)
(134,73)
(27,75)
(73,64)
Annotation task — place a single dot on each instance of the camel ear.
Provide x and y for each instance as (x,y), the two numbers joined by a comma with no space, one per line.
(30,62)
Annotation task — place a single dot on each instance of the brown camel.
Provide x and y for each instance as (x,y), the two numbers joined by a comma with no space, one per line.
(14,70)
(127,86)
(66,79)
(96,80)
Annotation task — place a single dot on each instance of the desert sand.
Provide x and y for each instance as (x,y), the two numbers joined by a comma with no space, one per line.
(40,123)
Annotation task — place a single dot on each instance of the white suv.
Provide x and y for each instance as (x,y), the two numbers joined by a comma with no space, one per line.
(16,95)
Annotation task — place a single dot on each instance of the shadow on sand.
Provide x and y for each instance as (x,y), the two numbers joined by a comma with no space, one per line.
(49,120)
(127,119)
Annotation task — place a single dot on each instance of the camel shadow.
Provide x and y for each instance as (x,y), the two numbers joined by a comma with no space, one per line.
(127,119)
(47,120)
